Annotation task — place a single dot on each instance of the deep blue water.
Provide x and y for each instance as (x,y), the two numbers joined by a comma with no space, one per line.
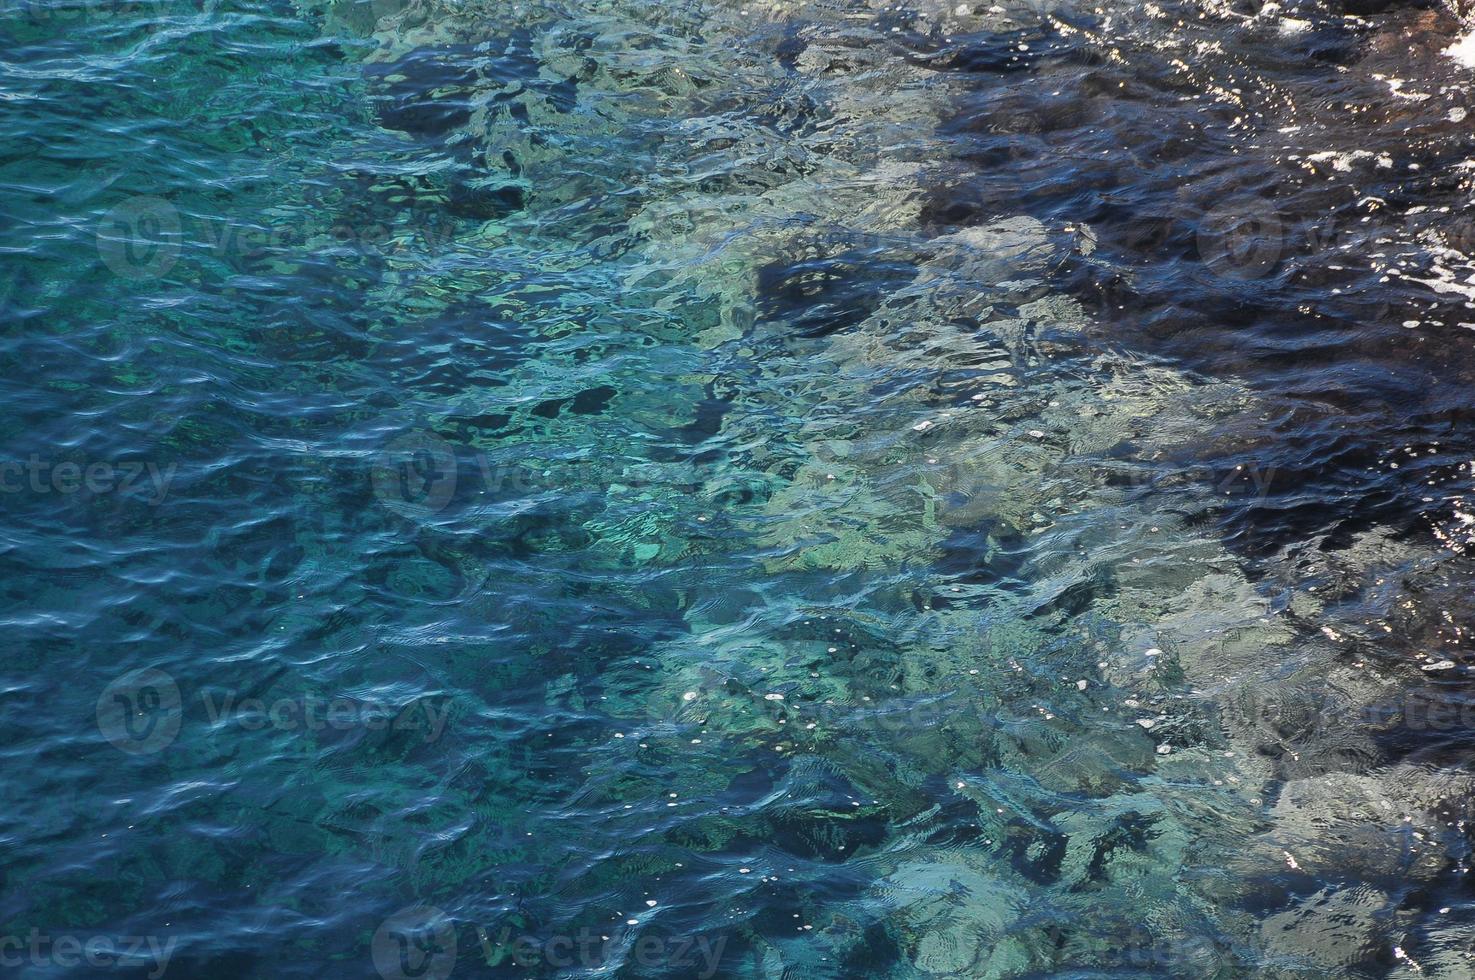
(621,489)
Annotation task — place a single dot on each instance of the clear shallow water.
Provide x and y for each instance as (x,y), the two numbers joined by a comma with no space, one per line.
(630,490)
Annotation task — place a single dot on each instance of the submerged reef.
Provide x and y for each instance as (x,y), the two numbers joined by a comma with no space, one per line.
(844,489)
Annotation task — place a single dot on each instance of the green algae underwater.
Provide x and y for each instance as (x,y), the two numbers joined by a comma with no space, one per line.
(738,489)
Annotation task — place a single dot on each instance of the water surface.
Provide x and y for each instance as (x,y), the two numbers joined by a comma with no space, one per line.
(752,490)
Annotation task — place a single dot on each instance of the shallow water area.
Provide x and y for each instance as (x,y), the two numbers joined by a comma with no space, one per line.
(737,489)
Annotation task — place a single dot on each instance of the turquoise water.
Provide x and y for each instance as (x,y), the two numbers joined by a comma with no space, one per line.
(734,489)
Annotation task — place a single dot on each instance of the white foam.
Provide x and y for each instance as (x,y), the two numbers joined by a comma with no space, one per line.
(1463,50)
(1397,84)
(1342,162)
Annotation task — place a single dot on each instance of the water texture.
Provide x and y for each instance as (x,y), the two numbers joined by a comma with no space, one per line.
(736,489)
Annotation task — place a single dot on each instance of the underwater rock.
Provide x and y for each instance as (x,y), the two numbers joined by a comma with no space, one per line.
(954,912)
(485,202)
(427,92)
(1334,929)
(899,392)
(1379,828)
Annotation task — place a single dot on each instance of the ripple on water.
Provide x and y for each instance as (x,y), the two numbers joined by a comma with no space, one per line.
(729,490)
